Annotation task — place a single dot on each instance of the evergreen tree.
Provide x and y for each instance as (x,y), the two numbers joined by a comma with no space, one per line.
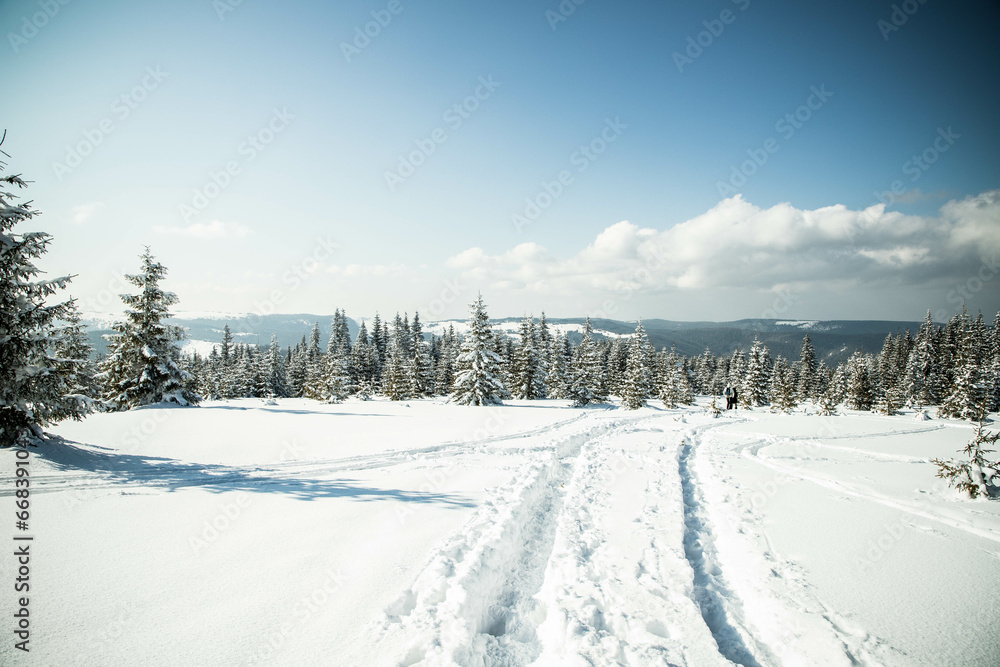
(923,381)
(968,397)
(586,373)
(969,475)
(529,367)
(141,367)
(275,372)
(806,385)
(74,368)
(782,386)
(561,359)
(756,380)
(478,366)
(38,386)
(638,382)
(860,393)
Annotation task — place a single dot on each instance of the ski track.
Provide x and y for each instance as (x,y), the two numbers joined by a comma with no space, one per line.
(174,476)
(473,603)
(752,452)
(714,599)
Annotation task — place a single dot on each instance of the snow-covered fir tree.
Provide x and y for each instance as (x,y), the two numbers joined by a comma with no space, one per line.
(142,363)
(806,384)
(860,394)
(972,474)
(529,364)
(924,380)
(783,387)
(756,379)
(477,380)
(38,386)
(274,368)
(968,397)
(560,361)
(586,371)
(637,384)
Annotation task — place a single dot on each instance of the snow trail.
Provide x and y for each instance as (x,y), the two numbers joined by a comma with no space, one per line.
(710,592)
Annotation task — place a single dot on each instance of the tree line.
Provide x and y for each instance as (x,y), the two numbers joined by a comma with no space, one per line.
(47,370)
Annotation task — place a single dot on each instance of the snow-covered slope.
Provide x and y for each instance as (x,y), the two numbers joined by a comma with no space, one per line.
(422,533)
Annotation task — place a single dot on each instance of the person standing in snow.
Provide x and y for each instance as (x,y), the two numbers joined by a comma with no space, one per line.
(736,398)
(728,393)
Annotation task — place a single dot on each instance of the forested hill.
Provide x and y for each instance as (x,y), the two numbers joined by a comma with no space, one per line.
(834,340)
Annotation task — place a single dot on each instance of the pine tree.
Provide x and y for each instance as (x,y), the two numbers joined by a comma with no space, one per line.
(141,367)
(924,380)
(806,382)
(37,385)
(968,397)
(756,380)
(586,372)
(638,382)
(75,368)
(276,378)
(860,393)
(560,360)
(478,366)
(782,386)
(969,475)
(529,367)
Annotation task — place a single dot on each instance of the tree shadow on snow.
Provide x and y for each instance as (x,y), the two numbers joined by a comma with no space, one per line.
(113,469)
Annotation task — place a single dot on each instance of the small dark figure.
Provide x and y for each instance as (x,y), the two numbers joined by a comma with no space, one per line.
(729,393)
(736,398)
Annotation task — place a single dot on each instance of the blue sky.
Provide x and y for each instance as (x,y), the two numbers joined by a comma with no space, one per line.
(309,221)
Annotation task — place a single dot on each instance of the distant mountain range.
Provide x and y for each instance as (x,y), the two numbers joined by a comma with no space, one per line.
(834,340)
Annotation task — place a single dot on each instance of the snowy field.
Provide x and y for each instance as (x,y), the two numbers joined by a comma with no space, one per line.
(421,533)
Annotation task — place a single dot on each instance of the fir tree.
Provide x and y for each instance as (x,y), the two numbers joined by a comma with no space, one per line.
(782,386)
(586,373)
(638,383)
(806,385)
(860,393)
(529,367)
(970,475)
(141,366)
(37,384)
(756,380)
(968,397)
(561,359)
(276,378)
(478,366)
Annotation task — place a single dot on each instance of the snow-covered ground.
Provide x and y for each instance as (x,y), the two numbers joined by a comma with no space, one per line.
(378,533)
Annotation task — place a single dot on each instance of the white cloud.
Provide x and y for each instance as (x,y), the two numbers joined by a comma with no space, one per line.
(213,230)
(83,212)
(739,245)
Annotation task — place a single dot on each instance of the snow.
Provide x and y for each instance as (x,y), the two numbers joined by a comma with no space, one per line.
(513,328)
(801,324)
(202,347)
(289,532)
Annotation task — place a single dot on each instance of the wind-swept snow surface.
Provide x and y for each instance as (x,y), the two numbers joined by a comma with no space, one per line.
(423,533)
